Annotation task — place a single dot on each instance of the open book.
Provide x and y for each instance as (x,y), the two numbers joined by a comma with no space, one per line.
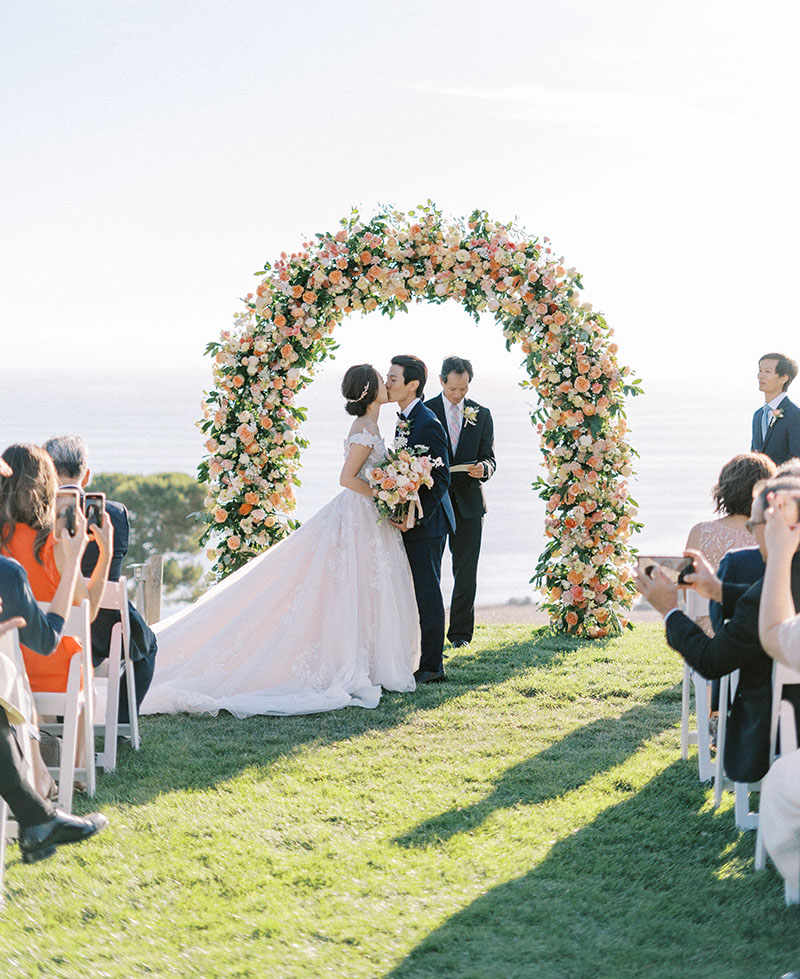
(462,468)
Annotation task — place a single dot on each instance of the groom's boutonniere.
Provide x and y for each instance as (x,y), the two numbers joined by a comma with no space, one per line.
(775,414)
(470,415)
(402,429)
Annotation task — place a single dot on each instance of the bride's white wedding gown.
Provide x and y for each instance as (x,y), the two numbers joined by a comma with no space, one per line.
(322,620)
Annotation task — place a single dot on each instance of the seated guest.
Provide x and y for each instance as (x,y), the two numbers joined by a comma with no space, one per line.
(735,647)
(42,828)
(779,631)
(733,496)
(27,518)
(71,459)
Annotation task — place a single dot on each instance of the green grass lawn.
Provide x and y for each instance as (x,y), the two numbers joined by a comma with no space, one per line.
(531,817)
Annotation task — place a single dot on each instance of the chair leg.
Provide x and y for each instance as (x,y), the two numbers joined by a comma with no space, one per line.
(704,764)
(3,820)
(791,894)
(66,774)
(133,710)
(719,771)
(685,712)
(745,818)
(88,744)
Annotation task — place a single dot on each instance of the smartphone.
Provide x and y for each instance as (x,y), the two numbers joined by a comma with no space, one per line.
(675,568)
(94,506)
(67,504)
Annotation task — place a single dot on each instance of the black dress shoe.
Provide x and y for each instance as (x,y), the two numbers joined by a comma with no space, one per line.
(459,643)
(39,842)
(430,676)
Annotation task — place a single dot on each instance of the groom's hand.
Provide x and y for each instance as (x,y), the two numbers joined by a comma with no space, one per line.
(400,526)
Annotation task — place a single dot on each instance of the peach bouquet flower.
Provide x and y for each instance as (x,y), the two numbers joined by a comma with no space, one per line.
(398,479)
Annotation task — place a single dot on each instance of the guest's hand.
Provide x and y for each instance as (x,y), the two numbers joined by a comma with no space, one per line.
(477,471)
(103,536)
(16,623)
(72,548)
(703,579)
(782,532)
(658,589)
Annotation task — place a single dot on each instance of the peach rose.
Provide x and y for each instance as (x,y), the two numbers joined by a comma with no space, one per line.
(234,543)
(220,515)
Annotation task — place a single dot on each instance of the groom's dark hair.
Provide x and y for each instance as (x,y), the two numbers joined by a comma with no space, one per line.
(413,370)
(785,367)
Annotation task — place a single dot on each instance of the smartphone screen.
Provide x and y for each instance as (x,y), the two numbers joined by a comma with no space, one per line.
(67,503)
(94,506)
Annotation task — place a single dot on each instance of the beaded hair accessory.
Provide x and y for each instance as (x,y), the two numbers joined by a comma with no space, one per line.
(352,401)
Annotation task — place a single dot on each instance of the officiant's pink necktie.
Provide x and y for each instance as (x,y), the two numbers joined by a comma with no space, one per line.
(454,424)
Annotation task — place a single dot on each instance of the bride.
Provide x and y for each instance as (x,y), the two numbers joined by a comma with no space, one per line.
(321,620)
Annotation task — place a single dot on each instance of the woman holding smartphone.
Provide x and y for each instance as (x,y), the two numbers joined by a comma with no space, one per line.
(27,523)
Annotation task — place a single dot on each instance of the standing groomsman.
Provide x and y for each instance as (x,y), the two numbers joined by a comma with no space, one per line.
(471,432)
(776,425)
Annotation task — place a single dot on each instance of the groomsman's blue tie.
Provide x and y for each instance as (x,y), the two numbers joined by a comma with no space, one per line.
(764,423)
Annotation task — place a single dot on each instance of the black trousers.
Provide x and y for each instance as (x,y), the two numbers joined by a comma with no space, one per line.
(465,547)
(28,807)
(425,557)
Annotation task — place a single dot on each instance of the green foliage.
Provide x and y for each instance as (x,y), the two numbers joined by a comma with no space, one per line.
(529,819)
(165,512)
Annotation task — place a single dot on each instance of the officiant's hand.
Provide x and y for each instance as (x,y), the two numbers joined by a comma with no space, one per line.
(477,471)
(657,588)
(703,579)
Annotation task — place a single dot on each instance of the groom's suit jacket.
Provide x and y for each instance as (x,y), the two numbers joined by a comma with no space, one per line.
(438,518)
(475,444)
(736,647)
(782,441)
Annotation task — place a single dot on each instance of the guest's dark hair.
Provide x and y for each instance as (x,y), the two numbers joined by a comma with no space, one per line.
(360,388)
(27,495)
(413,370)
(733,493)
(785,366)
(69,454)
(790,468)
(455,365)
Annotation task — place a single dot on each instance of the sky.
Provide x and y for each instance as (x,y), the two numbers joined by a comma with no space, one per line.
(156,154)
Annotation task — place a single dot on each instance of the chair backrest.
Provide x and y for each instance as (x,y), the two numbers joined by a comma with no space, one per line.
(782,676)
(115,597)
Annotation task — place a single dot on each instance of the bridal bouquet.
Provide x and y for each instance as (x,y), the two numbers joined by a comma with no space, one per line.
(398,480)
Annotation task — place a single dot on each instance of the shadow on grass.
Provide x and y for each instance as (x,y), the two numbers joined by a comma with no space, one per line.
(563,767)
(187,751)
(607,901)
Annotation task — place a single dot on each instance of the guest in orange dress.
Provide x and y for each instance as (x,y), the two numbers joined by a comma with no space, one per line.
(27,518)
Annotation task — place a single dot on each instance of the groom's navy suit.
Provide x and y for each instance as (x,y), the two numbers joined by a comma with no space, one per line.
(424,542)
(782,441)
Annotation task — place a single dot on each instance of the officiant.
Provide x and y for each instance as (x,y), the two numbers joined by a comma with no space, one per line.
(470,430)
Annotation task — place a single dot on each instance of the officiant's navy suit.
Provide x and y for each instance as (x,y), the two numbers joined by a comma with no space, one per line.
(475,445)
(782,441)
(424,542)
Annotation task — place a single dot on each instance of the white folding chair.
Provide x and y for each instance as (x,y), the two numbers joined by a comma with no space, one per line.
(69,704)
(107,678)
(744,817)
(783,720)
(700,737)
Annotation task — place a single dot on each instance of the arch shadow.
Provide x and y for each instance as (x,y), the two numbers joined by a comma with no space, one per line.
(607,901)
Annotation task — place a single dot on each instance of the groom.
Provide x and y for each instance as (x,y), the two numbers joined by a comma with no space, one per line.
(424,542)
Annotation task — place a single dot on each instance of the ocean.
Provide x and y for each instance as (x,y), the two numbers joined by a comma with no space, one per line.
(145,423)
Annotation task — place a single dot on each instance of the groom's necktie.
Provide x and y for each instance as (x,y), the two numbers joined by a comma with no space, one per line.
(765,423)
(454,425)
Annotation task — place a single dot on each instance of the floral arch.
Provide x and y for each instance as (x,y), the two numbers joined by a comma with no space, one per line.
(285,330)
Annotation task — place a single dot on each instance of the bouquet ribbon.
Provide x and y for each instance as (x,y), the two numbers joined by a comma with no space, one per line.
(414,512)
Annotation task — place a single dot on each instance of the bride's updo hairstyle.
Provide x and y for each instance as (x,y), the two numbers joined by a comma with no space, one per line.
(360,388)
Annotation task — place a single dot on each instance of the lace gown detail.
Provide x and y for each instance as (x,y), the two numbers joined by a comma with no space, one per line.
(322,620)
(715,541)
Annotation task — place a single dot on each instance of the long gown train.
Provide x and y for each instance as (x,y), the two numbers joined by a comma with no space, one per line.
(322,620)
